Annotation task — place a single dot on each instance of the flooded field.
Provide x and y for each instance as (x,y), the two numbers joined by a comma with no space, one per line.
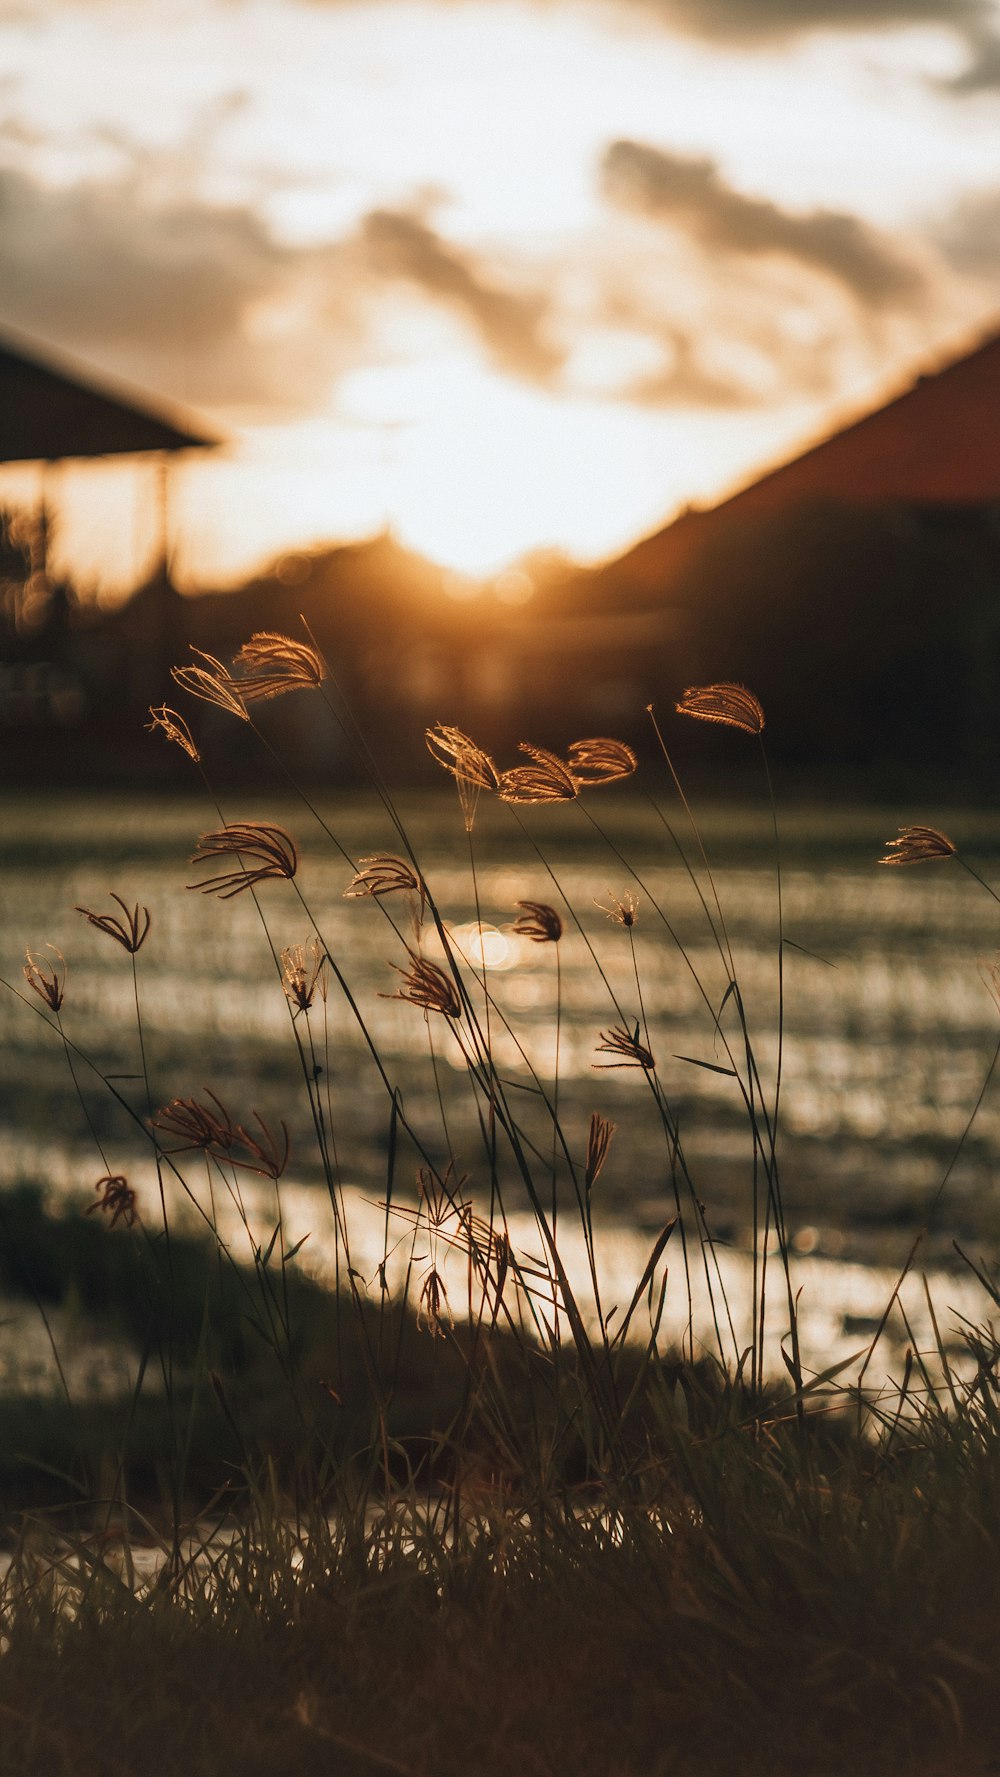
(889,1029)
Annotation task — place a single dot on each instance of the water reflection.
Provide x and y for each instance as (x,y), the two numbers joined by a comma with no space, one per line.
(889,1030)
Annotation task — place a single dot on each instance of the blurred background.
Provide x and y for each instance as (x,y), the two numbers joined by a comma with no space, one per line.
(547,358)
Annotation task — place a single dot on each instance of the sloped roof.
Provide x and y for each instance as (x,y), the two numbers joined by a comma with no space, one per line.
(48,413)
(937,444)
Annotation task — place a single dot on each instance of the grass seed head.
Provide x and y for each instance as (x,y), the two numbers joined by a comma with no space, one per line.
(304,973)
(624,1044)
(424,984)
(385,874)
(546,779)
(269,664)
(601,761)
(117,1200)
(434,1313)
(271,849)
(196,1125)
(47,979)
(732,705)
(598,1143)
(623,911)
(918,845)
(212,684)
(174,727)
(539,922)
(130,931)
(472,769)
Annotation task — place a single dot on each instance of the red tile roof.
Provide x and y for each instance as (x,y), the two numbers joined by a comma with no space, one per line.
(938,443)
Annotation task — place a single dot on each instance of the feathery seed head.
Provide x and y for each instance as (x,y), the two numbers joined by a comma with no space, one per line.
(598,1143)
(732,705)
(546,779)
(384,874)
(212,684)
(434,1313)
(626,1046)
(271,849)
(424,984)
(539,922)
(47,979)
(174,727)
(211,1128)
(600,761)
(118,1200)
(303,973)
(196,1125)
(623,910)
(472,769)
(918,845)
(268,665)
(130,931)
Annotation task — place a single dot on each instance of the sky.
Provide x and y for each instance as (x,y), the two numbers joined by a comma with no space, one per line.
(500,277)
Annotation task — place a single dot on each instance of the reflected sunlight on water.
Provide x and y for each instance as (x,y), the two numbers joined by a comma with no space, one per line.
(889,1030)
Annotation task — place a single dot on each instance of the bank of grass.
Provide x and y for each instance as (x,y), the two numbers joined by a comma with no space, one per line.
(372,1528)
(790,1607)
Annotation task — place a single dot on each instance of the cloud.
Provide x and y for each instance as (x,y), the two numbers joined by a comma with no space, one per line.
(755,21)
(202,302)
(177,295)
(510,325)
(969,238)
(689,192)
(983,71)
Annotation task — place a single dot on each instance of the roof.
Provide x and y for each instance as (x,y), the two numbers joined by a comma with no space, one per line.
(48,413)
(936,444)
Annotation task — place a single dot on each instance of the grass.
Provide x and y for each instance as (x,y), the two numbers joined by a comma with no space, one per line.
(422,1525)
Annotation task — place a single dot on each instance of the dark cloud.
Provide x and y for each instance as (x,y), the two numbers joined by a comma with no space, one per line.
(168,294)
(969,237)
(753,21)
(508,324)
(691,193)
(982,73)
(202,302)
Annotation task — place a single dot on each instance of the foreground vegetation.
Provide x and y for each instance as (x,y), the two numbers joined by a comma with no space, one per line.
(463,1515)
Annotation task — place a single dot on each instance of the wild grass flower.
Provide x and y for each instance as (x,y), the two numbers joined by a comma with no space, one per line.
(271,847)
(211,1129)
(197,1125)
(385,874)
(130,931)
(46,979)
(918,845)
(175,728)
(304,973)
(269,665)
(598,1143)
(461,756)
(623,911)
(601,761)
(118,1200)
(212,684)
(626,1045)
(546,779)
(539,922)
(732,705)
(472,768)
(434,1312)
(427,986)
